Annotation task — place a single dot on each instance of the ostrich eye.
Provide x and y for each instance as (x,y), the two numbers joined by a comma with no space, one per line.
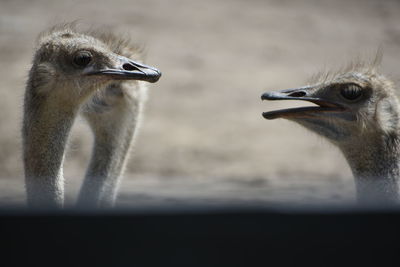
(352,92)
(83,58)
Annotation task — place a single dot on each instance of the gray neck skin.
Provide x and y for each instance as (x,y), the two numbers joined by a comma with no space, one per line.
(375,166)
(114,127)
(46,125)
(106,166)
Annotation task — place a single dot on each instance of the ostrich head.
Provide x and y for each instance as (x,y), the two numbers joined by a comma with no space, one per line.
(71,65)
(351,105)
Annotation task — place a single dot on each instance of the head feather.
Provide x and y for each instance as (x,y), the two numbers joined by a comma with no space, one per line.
(357,65)
(119,43)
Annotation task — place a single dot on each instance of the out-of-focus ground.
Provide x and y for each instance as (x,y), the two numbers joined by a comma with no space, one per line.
(203,137)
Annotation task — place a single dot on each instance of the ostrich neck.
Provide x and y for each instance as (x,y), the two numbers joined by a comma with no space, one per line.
(114,132)
(47,122)
(375,166)
(107,163)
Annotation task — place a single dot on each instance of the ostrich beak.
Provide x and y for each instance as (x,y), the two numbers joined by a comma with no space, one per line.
(127,69)
(302,93)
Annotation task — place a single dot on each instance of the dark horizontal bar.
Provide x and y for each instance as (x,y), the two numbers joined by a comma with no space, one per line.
(201,236)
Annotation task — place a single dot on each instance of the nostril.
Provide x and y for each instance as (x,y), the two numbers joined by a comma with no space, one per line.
(297,94)
(129,67)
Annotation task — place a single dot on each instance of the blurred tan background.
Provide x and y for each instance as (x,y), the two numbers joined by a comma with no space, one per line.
(203,137)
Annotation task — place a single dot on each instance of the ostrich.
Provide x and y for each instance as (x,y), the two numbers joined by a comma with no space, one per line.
(92,73)
(357,110)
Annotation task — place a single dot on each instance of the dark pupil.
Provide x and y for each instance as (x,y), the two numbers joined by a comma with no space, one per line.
(351,92)
(82,59)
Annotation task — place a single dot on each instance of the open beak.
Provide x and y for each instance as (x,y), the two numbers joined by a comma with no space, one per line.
(128,69)
(299,94)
